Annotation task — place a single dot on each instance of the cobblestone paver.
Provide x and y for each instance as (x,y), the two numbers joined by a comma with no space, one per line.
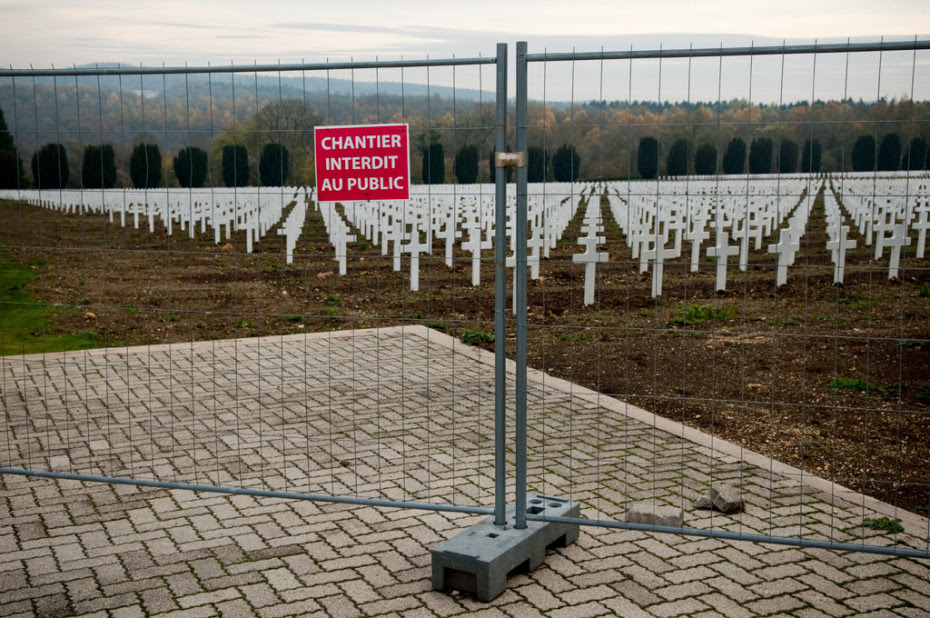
(394,414)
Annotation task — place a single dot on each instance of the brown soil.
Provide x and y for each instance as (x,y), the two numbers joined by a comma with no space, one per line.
(757,373)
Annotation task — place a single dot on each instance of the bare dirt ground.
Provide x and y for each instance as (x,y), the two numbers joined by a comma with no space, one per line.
(832,379)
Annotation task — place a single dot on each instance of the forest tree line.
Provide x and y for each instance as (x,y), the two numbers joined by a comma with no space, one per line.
(139,139)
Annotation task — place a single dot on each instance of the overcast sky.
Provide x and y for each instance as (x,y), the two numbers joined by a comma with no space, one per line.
(41,33)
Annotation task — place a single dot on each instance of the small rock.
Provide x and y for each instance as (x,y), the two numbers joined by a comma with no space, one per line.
(704,503)
(90,315)
(651,514)
(324,275)
(227,248)
(726,498)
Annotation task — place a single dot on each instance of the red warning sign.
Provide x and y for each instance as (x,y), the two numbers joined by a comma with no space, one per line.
(362,162)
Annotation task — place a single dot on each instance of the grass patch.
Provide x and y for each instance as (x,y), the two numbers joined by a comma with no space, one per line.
(24,321)
(891,526)
(892,391)
(925,290)
(440,326)
(293,319)
(170,317)
(923,395)
(851,384)
(583,335)
(474,336)
(696,314)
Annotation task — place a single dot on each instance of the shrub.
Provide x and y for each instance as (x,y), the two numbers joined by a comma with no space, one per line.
(787,157)
(274,165)
(434,164)
(11,171)
(734,159)
(916,156)
(235,166)
(50,167)
(760,155)
(647,158)
(677,163)
(565,164)
(98,170)
(810,157)
(889,153)
(863,154)
(145,166)
(537,164)
(705,159)
(466,165)
(190,167)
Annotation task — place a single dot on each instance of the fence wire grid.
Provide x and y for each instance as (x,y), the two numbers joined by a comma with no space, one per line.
(725,284)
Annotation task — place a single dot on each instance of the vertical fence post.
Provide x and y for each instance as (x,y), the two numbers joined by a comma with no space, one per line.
(519,293)
(500,296)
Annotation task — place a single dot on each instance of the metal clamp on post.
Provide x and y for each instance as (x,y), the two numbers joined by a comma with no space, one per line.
(509,159)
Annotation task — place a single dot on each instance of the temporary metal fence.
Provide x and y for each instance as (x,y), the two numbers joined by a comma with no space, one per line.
(308,413)
(182,395)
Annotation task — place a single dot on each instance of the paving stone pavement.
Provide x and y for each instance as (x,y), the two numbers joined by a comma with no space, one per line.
(402,414)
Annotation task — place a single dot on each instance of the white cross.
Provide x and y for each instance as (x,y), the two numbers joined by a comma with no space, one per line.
(414,247)
(697,235)
(589,258)
(721,251)
(921,225)
(534,243)
(879,229)
(658,254)
(743,235)
(898,239)
(838,247)
(475,245)
(785,249)
(449,233)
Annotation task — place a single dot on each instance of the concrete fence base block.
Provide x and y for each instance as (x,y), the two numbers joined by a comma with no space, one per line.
(479,560)
(654,515)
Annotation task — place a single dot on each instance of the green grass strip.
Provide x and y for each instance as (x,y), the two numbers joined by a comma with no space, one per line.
(24,321)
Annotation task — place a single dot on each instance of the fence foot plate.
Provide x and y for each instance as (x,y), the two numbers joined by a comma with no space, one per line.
(480,559)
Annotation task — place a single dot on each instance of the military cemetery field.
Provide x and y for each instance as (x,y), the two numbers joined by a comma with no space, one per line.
(786,315)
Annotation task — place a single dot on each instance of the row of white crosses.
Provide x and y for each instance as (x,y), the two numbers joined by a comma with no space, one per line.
(400,225)
(293,226)
(789,240)
(660,221)
(338,231)
(680,211)
(838,234)
(592,226)
(252,208)
(886,210)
